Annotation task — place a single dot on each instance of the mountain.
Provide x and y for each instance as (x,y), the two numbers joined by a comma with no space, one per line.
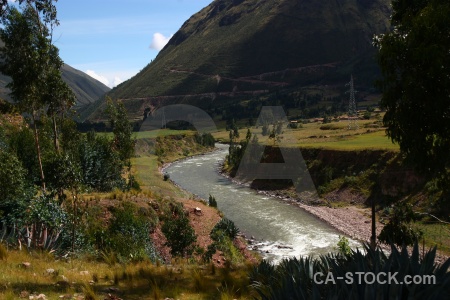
(87,89)
(242,48)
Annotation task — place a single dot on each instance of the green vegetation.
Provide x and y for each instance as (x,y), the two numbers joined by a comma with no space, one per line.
(100,205)
(223,234)
(297,278)
(179,233)
(414,60)
(212,201)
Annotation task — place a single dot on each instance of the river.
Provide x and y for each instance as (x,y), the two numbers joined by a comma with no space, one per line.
(281,230)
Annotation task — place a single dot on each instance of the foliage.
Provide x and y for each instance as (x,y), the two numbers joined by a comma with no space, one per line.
(399,230)
(294,278)
(179,233)
(212,201)
(128,234)
(15,194)
(101,168)
(166,176)
(223,234)
(12,183)
(21,141)
(63,172)
(33,63)
(343,246)
(224,227)
(415,63)
(45,220)
(123,141)
(205,139)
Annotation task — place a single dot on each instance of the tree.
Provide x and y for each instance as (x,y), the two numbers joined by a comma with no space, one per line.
(57,96)
(123,141)
(12,184)
(415,63)
(400,229)
(29,56)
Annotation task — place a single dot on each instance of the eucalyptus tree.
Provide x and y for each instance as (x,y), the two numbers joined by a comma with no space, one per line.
(30,59)
(415,63)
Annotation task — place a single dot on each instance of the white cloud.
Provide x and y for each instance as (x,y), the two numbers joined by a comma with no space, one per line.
(159,41)
(117,81)
(100,78)
(111,79)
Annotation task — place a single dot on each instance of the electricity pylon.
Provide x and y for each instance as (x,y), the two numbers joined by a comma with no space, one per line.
(352,112)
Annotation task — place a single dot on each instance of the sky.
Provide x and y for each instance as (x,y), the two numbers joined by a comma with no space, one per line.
(113,40)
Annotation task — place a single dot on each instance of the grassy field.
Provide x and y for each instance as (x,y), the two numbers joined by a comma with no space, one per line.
(149,177)
(154,133)
(333,135)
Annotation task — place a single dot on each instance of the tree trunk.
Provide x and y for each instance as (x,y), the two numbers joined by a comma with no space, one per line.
(55,134)
(38,149)
(373,238)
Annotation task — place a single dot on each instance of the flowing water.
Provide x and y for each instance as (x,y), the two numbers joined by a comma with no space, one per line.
(281,230)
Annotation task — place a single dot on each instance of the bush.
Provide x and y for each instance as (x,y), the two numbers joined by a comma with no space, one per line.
(128,235)
(343,246)
(179,234)
(223,234)
(166,177)
(399,230)
(101,168)
(212,201)
(227,227)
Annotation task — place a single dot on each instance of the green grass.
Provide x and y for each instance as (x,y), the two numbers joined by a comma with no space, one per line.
(337,138)
(154,133)
(376,141)
(149,177)
(436,234)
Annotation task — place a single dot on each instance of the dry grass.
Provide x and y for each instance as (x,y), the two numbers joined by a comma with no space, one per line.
(94,280)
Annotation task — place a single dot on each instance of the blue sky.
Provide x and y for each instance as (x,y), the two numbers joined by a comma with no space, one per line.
(112,40)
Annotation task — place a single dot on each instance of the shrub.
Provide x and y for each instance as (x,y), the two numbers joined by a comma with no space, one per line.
(128,234)
(166,177)
(399,230)
(179,234)
(212,201)
(101,168)
(343,246)
(227,227)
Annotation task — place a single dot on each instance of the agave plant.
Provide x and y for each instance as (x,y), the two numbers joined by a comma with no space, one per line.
(297,278)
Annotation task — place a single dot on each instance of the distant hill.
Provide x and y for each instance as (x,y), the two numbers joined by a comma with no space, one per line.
(242,48)
(87,89)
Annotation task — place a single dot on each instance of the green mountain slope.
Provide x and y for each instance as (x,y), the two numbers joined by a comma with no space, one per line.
(86,88)
(242,48)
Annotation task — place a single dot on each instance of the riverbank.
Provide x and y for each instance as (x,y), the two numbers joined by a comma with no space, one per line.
(351,221)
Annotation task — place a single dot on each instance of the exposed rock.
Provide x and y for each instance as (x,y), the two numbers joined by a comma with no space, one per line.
(38,297)
(26,265)
(50,271)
